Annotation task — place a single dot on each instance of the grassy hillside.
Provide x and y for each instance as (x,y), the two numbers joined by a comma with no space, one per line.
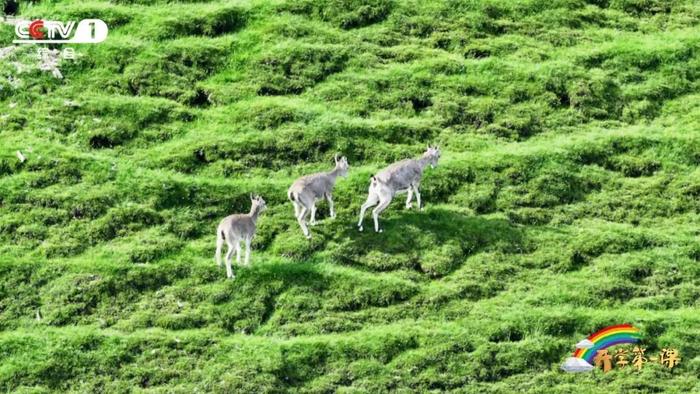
(567,197)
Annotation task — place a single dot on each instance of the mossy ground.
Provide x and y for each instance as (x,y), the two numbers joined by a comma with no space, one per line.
(567,198)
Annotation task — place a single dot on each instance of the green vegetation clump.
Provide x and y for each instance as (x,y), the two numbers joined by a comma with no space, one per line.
(566,198)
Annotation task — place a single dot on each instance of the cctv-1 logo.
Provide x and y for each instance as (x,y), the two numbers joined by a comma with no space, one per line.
(87,31)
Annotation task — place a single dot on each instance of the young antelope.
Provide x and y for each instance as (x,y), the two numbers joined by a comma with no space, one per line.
(306,190)
(236,228)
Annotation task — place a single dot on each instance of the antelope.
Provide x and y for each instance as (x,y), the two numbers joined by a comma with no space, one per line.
(236,228)
(403,176)
(306,190)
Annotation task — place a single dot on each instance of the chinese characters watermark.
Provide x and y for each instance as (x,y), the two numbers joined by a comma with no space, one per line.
(668,358)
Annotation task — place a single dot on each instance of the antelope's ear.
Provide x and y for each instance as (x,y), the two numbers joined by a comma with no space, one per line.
(335,157)
(251,197)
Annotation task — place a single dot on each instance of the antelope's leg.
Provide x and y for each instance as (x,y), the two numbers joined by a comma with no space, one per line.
(229,256)
(313,214)
(238,251)
(408,199)
(302,220)
(417,193)
(329,197)
(296,209)
(375,213)
(219,246)
(247,251)
(372,199)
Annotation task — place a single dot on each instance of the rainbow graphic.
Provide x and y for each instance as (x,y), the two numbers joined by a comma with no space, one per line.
(603,339)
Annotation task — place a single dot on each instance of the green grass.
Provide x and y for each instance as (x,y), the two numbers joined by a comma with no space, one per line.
(567,198)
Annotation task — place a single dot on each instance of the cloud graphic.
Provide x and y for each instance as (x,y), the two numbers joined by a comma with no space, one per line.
(574,364)
(584,344)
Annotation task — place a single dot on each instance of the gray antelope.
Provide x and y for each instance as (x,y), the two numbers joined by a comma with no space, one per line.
(403,176)
(308,189)
(236,228)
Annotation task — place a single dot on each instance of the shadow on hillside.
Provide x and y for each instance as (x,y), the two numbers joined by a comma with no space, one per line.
(434,242)
(247,303)
(419,239)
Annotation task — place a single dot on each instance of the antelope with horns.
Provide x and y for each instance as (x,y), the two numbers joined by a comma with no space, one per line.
(236,228)
(306,190)
(403,176)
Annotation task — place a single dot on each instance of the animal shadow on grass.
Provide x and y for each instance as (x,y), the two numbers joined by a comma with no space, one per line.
(435,241)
